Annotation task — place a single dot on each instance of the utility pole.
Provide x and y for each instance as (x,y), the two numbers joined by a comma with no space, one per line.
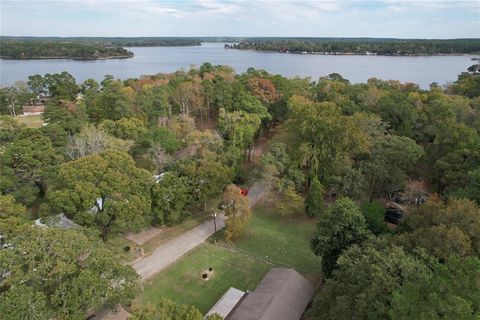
(215,227)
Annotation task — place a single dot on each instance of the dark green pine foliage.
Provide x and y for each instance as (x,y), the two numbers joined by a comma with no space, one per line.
(314,200)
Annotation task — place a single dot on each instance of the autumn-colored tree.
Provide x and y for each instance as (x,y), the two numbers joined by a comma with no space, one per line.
(263,89)
(182,126)
(237,212)
(205,142)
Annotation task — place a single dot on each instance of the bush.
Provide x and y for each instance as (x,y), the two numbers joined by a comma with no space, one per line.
(374,214)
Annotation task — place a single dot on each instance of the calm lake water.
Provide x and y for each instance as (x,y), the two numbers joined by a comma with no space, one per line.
(151,60)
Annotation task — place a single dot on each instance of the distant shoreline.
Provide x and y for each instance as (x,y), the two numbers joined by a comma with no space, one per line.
(357,54)
(66,58)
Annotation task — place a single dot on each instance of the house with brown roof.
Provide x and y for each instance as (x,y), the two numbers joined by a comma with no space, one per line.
(283,294)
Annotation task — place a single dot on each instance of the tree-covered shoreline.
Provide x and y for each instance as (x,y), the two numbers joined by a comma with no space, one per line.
(60,50)
(82,48)
(361,46)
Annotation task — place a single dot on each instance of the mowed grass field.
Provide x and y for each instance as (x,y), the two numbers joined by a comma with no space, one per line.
(32,121)
(282,239)
(270,241)
(183,283)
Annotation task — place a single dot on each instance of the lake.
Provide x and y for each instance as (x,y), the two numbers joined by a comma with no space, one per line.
(151,60)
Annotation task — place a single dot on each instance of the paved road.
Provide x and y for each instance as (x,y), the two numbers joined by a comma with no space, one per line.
(171,251)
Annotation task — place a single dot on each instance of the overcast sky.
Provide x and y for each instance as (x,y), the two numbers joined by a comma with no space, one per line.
(385,18)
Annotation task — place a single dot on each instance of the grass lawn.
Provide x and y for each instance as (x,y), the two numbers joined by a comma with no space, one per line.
(33,121)
(183,281)
(282,239)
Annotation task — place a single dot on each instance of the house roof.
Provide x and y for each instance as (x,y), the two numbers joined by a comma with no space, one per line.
(33,109)
(283,294)
(185,153)
(60,221)
(227,302)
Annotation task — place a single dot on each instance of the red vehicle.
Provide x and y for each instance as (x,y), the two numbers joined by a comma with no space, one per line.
(244,192)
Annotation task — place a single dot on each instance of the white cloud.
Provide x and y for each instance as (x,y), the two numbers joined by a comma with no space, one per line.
(381,18)
(433,4)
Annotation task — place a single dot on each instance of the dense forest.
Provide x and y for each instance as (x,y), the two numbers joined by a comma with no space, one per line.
(108,159)
(82,48)
(361,46)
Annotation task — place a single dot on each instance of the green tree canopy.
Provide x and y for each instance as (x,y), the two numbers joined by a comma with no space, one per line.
(239,128)
(24,164)
(61,85)
(12,219)
(125,128)
(165,309)
(170,197)
(314,200)
(343,226)
(324,139)
(114,101)
(71,116)
(444,229)
(374,214)
(451,291)
(155,103)
(365,281)
(391,158)
(106,190)
(67,273)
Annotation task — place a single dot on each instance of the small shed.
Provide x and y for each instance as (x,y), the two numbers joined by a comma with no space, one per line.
(283,294)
